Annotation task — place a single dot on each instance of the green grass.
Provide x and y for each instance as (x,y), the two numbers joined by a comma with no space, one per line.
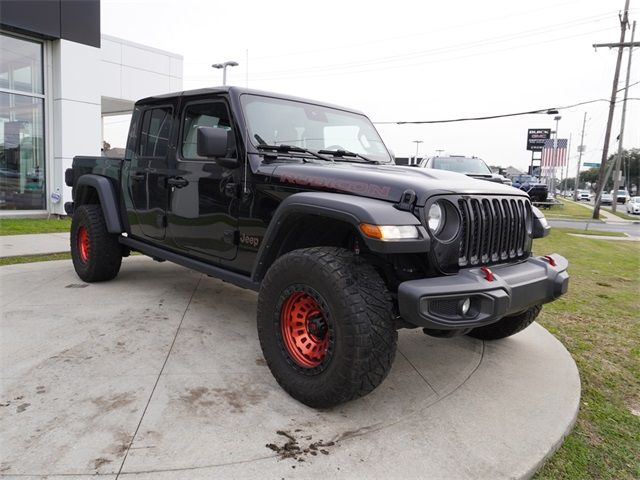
(598,323)
(34,258)
(23,226)
(621,212)
(571,210)
(595,233)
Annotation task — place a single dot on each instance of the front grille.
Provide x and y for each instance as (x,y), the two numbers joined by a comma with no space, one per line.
(494,229)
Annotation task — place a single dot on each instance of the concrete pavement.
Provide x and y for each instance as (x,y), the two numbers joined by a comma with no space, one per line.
(159,374)
(36,244)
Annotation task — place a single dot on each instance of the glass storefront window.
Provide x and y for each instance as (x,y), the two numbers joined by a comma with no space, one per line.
(22,152)
(20,65)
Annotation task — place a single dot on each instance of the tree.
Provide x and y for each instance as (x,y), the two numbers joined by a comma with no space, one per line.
(589,176)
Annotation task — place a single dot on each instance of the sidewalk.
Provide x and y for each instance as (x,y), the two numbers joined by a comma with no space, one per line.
(36,244)
(605,216)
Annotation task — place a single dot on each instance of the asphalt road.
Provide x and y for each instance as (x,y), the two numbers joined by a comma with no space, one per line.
(632,229)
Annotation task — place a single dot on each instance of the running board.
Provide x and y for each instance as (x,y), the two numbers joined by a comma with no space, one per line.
(237,279)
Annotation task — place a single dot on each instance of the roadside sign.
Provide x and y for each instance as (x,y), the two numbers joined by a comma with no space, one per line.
(592,165)
(536,138)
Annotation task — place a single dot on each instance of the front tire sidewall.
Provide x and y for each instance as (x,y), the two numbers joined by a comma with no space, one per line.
(340,377)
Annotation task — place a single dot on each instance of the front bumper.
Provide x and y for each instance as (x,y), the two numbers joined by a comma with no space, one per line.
(436,303)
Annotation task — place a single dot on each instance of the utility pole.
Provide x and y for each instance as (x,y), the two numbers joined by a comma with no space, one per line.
(580,150)
(624,21)
(616,172)
(566,169)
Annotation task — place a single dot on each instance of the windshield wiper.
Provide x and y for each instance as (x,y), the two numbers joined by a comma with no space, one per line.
(347,153)
(292,149)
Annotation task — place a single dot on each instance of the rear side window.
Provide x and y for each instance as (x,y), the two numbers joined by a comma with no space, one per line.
(155,131)
(213,114)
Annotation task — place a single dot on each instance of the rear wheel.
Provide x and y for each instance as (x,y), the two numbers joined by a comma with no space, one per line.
(507,326)
(325,323)
(96,253)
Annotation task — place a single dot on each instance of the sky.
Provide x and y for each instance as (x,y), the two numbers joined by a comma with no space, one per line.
(410,61)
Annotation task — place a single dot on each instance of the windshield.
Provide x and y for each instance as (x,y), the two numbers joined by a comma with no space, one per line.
(524,179)
(274,121)
(473,166)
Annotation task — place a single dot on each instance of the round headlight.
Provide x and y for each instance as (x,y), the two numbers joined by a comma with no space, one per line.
(436,218)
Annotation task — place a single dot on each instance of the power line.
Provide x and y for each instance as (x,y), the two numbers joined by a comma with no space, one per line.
(451,48)
(492,117)
(322,71)
(424,33)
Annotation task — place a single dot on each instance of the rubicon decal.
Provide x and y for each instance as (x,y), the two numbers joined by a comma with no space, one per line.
(361,188)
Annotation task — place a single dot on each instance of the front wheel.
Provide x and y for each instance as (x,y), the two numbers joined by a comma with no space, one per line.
(325,324)
(96,253)
(507,326)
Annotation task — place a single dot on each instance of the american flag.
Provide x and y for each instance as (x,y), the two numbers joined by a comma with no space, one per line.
(552,157)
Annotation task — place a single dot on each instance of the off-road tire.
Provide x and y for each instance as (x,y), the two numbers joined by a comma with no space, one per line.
(507,326)
(359,312)
(95,252)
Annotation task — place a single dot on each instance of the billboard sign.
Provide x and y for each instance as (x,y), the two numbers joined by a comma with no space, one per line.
(536,138)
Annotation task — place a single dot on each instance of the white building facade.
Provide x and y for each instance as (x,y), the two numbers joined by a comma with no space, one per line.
(54,94)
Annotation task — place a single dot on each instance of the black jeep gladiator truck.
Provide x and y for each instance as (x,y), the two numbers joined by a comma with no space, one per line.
(301,202)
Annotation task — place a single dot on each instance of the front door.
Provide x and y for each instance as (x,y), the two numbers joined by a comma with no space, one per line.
(147,172)
(203,205)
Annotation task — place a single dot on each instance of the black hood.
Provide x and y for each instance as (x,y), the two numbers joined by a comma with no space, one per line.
(385,182)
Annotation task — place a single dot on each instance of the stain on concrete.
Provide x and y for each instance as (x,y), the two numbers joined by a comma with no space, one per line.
(261,361)
(236,399)
(99,462)
(41,389)
(22,407)
(114,402)
(121,442)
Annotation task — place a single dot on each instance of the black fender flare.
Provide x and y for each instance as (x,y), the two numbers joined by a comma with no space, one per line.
(347,208)
(107,196)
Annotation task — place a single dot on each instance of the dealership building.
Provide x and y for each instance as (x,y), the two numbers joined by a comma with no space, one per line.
(59,79)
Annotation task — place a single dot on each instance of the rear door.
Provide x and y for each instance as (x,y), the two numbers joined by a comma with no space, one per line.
(146,171)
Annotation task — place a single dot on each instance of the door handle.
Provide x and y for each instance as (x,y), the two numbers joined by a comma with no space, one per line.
(137,176)
(177,182)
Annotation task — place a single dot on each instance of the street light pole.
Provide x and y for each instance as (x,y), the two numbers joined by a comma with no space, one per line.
(224,66)
(417,142)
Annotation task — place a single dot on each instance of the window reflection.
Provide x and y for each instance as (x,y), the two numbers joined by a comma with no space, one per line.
(22,163)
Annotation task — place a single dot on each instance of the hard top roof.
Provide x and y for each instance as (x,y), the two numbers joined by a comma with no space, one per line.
(236,92)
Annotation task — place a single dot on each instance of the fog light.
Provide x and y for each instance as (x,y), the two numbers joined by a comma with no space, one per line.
(465,305)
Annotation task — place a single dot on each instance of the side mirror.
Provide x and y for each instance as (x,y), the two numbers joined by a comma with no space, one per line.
(213,143)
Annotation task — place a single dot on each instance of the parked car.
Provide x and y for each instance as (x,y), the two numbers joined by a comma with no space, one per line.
(301,202)
(633,205)
(471,166)
(622,197)
(606,199)
(537,191)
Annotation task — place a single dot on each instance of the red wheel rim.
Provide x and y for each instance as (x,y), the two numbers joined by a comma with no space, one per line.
(83,244)
(305,331)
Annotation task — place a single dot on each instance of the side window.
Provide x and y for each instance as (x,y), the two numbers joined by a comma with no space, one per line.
(212,114)
(155,131)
